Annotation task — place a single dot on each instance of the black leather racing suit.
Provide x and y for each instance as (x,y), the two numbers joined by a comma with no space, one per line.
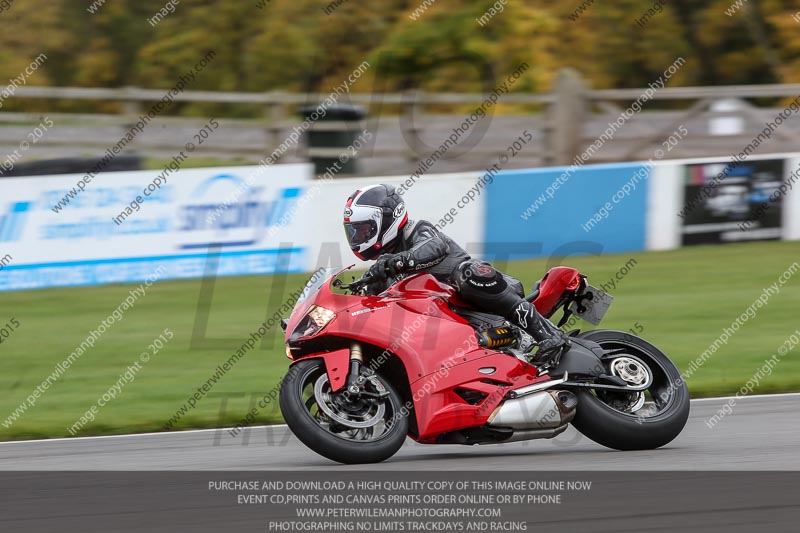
(423,248)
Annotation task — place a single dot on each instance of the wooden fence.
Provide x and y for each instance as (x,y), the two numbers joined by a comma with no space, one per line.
(720,121)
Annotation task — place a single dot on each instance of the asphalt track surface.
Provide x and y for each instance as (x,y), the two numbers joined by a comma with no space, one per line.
(761,433)
(731,478)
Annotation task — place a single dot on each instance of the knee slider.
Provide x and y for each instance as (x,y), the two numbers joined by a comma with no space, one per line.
(482,276)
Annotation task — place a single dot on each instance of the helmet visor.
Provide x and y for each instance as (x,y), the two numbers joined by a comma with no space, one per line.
(360,232)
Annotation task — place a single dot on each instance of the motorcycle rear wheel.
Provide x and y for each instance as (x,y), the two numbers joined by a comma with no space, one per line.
(343,429)
(602,415)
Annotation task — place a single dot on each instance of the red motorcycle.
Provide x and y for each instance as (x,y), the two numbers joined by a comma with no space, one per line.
(417,361)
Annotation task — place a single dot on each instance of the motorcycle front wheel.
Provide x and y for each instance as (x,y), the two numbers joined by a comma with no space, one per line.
(365,428)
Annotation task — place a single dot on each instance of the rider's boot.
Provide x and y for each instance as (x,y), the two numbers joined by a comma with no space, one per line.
(551,339)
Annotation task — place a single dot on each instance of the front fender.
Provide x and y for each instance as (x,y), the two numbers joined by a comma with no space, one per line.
(337,365)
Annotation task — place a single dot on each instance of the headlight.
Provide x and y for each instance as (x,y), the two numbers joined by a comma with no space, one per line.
(320,316)
(316,318)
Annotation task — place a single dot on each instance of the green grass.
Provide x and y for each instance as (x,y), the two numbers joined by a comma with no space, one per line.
(683,299)
(154,163)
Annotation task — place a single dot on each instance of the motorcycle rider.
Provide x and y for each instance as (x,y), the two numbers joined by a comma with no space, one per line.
(378,228)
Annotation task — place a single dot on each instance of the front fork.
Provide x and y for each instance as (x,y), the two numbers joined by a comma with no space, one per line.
(353,384)
(356,379)
(345,372)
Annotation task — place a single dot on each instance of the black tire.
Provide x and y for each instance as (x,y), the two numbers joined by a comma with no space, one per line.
(615,429)
(306,428)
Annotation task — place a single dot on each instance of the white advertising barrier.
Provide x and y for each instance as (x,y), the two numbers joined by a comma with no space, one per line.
(667,200)
(105,234)
(791,213)
(431,198)
(664,201)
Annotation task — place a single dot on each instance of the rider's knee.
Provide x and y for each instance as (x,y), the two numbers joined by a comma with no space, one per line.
(481,277)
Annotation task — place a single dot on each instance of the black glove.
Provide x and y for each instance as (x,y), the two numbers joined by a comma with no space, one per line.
(388,266)
(397,264)
(378,271)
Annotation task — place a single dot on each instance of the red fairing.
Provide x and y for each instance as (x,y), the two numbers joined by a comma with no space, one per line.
(438,348)
(337,363)
(441,410)
(426,286)
(553,285)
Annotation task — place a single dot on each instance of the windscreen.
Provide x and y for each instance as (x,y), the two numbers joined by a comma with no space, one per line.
(315,283)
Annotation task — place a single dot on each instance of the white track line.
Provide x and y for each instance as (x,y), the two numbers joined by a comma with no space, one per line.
(184,432)
(162,433)
(748,396)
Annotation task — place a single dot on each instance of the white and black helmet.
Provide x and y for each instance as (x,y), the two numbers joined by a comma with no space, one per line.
(373,219)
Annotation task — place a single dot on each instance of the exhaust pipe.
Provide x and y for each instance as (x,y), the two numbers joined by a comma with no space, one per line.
(534,434)
(543,410)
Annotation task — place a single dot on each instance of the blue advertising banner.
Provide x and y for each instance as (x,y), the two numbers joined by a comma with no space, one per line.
(566,211)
